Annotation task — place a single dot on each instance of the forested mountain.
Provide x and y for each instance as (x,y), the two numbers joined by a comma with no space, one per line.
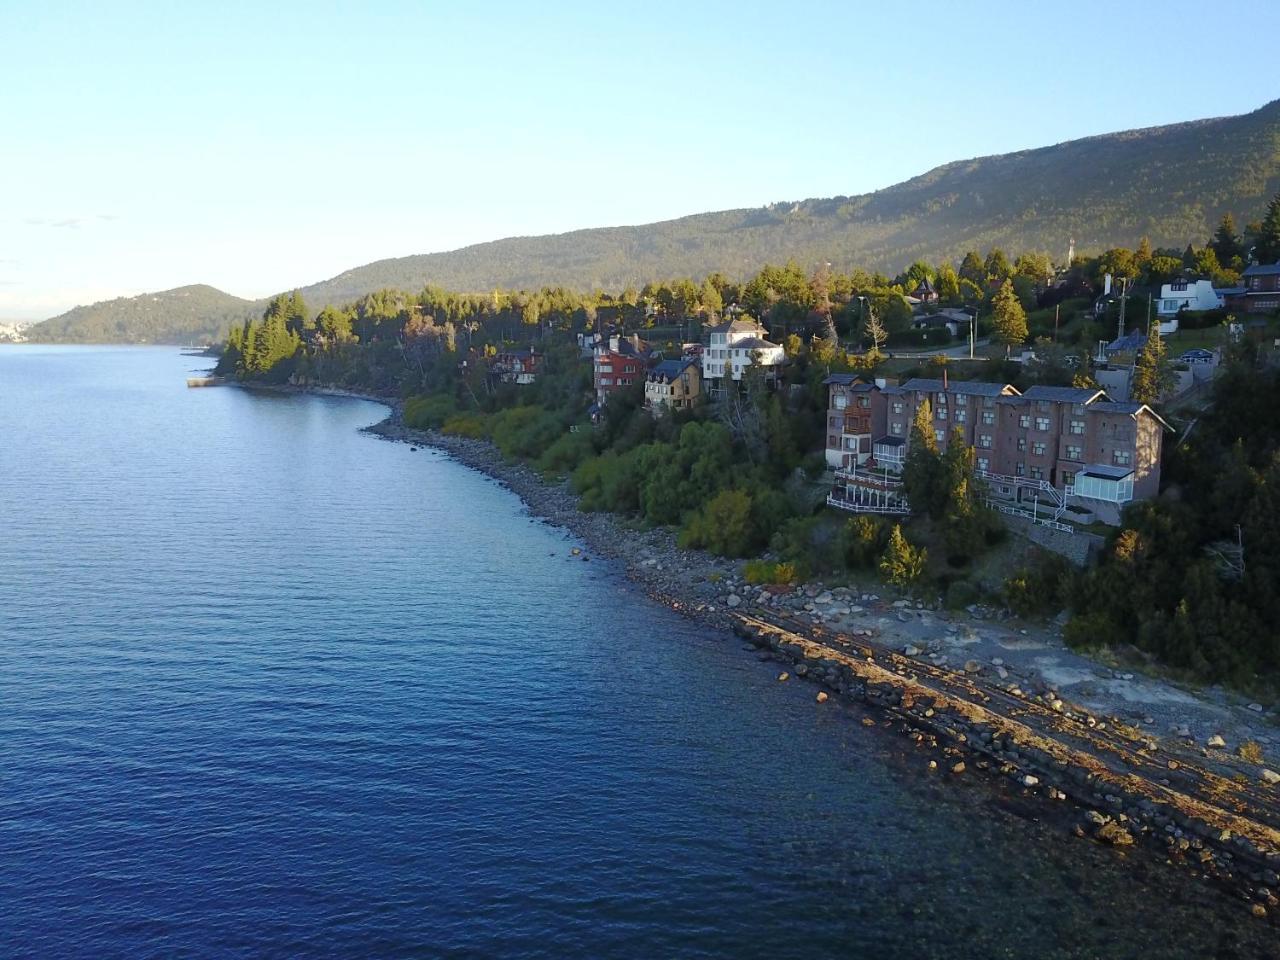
(1171,184)
(185,315)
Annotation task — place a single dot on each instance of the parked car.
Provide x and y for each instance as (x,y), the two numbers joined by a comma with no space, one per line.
(1197,355)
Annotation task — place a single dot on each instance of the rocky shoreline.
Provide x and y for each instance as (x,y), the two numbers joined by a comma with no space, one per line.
(1188,817)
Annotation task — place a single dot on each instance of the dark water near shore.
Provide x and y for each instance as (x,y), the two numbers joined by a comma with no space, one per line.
(270,687)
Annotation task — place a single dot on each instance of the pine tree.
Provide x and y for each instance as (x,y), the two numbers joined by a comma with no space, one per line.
(997,266)
(1267,248)
(1008,318)
(973,269)
(1152,372)
(1142,256)
(1226,241)
(902,564)
(921,473)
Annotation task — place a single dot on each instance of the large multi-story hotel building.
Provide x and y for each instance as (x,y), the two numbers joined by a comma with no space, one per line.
(1038,452)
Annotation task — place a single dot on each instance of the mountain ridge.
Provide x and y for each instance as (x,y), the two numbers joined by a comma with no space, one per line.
(1170,183)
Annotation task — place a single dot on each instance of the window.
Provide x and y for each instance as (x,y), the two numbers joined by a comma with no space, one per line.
(984,441)
(962,416)
(897,406)
(941,413)
(942,399)
(841,401)
(1020,469)
(1077,427)
(940,435)
(1068,478)
(1042,423)
(984,464)
(1024,421)
(1121,458)
(1022,444)
(1074,452)
(1037,473)
(1038,448)
(895,429)
(863,402)
(988,417)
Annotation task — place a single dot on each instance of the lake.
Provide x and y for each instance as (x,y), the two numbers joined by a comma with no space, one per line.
(271,687)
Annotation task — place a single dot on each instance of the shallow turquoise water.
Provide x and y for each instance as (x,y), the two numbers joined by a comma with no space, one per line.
(270,687)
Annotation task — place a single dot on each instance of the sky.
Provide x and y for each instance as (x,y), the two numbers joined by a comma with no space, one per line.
(262,146)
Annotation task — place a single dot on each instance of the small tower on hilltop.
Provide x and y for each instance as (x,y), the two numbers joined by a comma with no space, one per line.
(1071,252)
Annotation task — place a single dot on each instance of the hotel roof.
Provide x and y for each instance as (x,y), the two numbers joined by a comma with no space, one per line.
(1064,394)
(974,388)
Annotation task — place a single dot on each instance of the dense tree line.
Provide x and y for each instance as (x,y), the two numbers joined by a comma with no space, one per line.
(1192,577)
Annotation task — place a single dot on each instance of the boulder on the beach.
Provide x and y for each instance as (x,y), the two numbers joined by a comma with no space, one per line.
(1114,834)
(958,767)
(1269,776)
(822,696)
(972,666)
(1216,743)
(733,600)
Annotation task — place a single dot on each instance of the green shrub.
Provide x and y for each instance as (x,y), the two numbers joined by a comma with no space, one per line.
(1040,589)
(428,412)
(473,425)
(762,571)
(566,453)
(862,541)
(961,594)
(902,564)
(724,525)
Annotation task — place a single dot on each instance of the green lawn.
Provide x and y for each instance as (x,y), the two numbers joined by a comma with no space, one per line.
(1184,340)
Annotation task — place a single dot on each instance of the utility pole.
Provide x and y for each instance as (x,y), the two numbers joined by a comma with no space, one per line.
(973,331)
(1124,296)
(1056,310)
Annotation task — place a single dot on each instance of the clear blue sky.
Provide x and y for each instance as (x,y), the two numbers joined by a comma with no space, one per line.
(260,146)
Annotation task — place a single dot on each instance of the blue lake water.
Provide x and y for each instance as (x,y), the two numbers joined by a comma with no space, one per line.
(270,687)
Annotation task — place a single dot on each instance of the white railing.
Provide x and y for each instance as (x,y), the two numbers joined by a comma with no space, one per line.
(897,508)
(1012,511)
(1053,497)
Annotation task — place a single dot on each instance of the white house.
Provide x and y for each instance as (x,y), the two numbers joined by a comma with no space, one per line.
(732,347)
(1185,295)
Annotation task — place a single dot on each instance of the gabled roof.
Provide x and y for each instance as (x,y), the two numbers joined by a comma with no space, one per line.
(843,379)
(972,388)
(1064,394)
(670,369)
(1130,341)
(1263,270)
(752,343)
(1130,407)
(891,442)
(735,325)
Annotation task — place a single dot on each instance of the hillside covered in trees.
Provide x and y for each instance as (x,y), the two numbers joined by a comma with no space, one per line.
(1165,183)
(197,314)
(1169,184)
